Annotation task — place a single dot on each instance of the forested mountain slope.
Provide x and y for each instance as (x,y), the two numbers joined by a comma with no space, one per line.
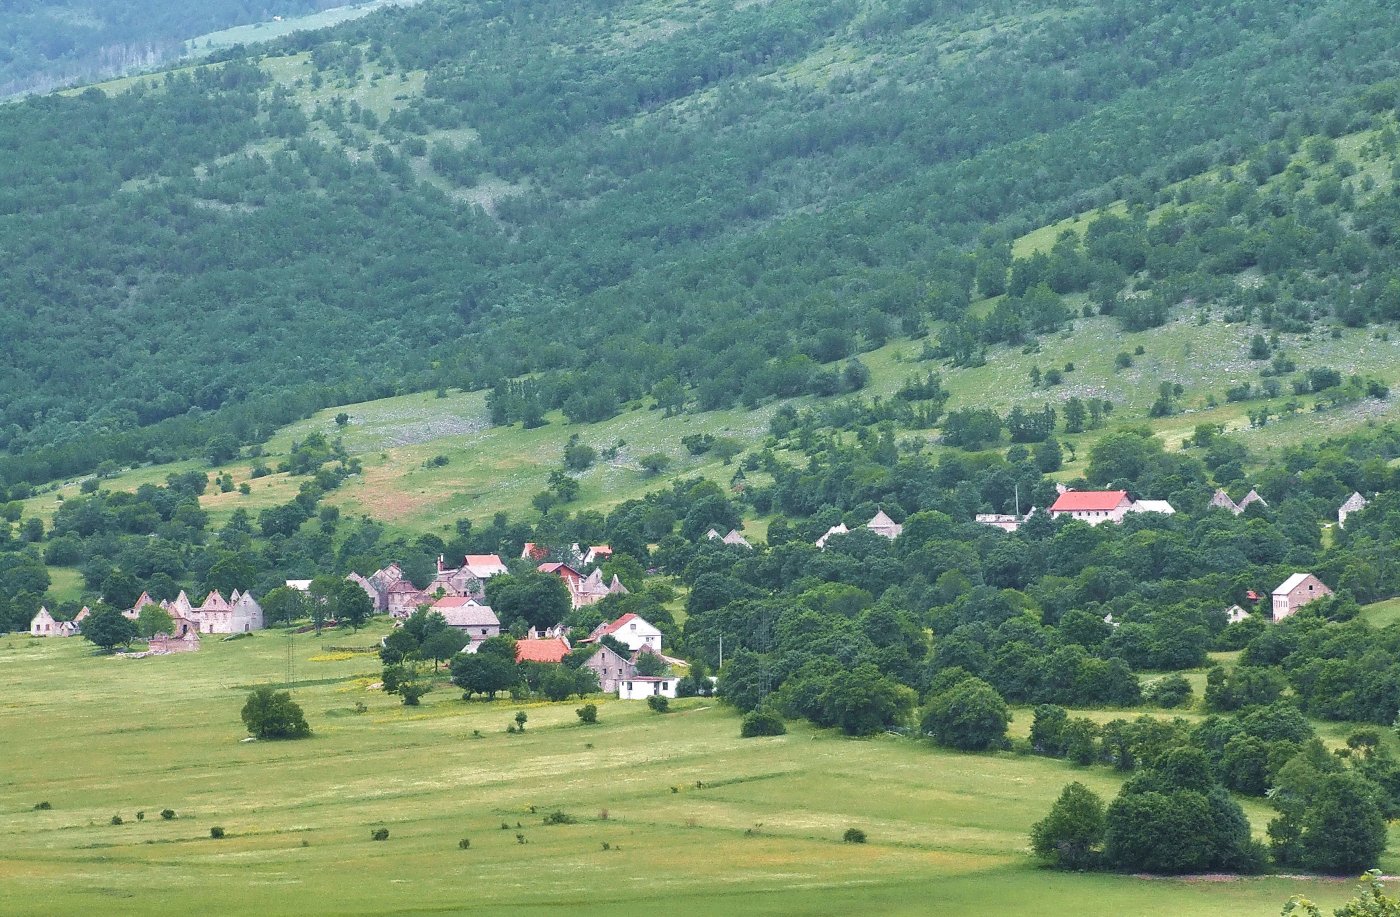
(47,43)
(695,201)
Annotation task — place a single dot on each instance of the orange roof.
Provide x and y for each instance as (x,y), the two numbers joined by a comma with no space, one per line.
(1072,501)
(453,601)
(552,650)
(562,569)
(485,560)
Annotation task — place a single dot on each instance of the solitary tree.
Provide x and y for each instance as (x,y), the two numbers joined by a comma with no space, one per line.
(272,714)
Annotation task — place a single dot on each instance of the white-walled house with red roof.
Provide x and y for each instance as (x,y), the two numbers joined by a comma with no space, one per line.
(632,631)
(1092,506)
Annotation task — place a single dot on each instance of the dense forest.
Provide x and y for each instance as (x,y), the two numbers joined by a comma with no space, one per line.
(708,201)
(48,43)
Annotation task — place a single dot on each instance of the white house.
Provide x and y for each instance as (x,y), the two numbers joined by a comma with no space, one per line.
(640,687)
(1355,503)
(1235,614)
(1295,592)
(630,630)
(1152,506)
(838,529)
(1092,506)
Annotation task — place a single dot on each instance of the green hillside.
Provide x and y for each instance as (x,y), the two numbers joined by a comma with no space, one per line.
(707,200)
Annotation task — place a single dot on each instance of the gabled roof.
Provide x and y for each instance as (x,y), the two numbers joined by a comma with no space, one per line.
(1354,502)
(559,569)
(143,601)
(459,611)
(1083,501)
(1222,500)
(487,564)
(215,602)
(612,627)
(1154,506)
(735,538)
(1253,497)
(838,529)
(552,649)
(1293,582)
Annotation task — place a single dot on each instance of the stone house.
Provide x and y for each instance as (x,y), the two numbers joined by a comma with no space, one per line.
(610,668)
(43,624)
(735,538)
(1354,503)
(884,526)
(475,620)
(1295,592)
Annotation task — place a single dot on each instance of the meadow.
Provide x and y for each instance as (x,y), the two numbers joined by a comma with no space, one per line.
(673,812)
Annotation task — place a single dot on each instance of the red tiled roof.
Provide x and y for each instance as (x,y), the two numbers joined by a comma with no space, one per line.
(1072,501)
(559,569)
(615,626)
(452,601)
(552,650)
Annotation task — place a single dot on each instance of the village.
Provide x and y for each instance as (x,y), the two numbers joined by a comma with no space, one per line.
(617,647)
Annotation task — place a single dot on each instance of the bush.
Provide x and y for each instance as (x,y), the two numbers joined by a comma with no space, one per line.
(588,713)
(853,836)
(379,834)
(1071,834)
(116,819)
(464,844)
(1169,692)
(558,817)
(271,714)
(43,806)
(659,703)
(412,691)
(970,715)
(167,814)
(762,722)
(216,832)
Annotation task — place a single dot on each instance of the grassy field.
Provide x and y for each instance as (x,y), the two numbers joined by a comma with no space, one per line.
(698,820)
(1381,614)
(265,31)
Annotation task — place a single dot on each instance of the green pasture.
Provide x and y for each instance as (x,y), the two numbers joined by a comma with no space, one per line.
(674,813)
